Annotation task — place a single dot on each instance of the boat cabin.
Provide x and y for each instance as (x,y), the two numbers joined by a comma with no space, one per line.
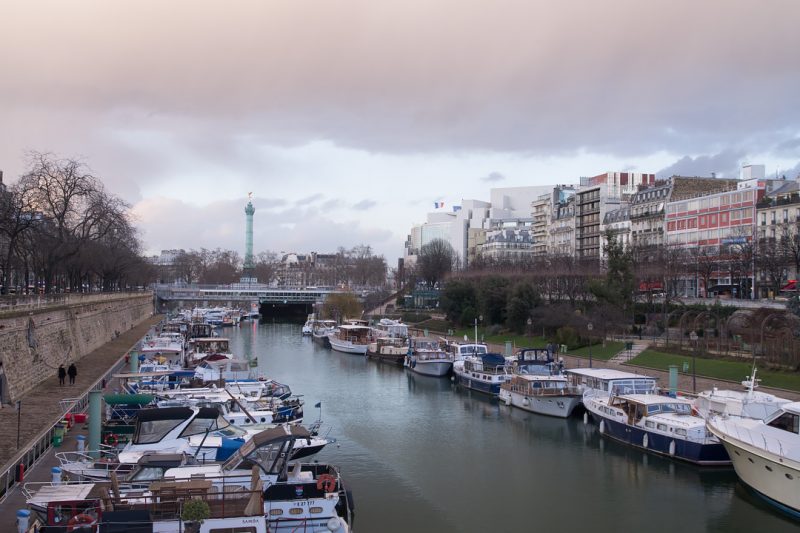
(537,361)
(787,419)
(209,345)
(461,350)
(356,334)
(610,382)
(541,385)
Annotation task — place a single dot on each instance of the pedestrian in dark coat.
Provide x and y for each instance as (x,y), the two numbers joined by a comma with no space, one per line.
(61,374)
(72,372)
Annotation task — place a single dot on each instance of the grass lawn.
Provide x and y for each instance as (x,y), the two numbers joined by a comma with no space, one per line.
(600,352)
(519,341)
(434,324)
(717,368)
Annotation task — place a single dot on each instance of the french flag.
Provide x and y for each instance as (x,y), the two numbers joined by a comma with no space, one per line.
(437,205)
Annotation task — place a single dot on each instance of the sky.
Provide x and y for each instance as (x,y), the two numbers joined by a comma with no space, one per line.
(348,119)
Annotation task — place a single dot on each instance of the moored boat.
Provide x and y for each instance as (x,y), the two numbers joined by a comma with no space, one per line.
(391,350)
(351,338)
(765,453)
(427,357)
(656,423)
(541,394)
(484,373)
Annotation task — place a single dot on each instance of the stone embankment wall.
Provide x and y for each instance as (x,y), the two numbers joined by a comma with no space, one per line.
(34,343)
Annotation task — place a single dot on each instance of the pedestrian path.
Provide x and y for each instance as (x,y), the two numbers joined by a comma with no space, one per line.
(626,355)
(41,407)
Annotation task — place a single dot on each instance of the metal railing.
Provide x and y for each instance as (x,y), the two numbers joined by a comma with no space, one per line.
(42,443)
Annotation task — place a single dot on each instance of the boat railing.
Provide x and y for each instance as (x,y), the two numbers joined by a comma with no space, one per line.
(759,439)
(106,461)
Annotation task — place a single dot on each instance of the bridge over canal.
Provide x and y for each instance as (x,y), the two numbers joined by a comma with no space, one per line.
(272,301)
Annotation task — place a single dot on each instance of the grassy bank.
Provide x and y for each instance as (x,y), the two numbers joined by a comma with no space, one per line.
(717,368)
(600,352)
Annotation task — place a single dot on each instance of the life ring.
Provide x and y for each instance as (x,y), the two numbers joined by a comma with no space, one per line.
(80,522)
(327,482)
(111,440)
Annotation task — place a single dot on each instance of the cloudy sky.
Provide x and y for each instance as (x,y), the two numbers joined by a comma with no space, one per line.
(349,119)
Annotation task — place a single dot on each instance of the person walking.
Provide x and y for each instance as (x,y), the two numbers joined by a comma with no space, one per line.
(61,375)
(72,372)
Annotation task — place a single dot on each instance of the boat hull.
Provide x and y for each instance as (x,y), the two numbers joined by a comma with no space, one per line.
(346,347)
(693,452)
(430,368)
(392,359)
(775,485)
(485,387)
(557,406)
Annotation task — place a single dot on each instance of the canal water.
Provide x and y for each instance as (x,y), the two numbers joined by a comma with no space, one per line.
(421,454)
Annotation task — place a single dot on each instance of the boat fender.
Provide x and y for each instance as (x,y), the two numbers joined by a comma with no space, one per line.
(645,441)
(526,402)
(602,426)
(672,447)
(507,400)
(335,524)
(585,418)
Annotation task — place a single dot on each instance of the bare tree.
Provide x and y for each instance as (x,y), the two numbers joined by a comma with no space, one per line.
(436,259)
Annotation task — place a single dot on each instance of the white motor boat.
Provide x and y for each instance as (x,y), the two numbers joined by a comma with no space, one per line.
(749,403)
(541,394)
(351,338)
(765,453)
(427,357)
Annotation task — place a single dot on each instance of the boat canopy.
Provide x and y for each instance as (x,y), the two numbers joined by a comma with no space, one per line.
(493,360)
(128,399)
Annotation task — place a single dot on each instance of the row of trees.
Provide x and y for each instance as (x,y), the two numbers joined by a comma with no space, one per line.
(355,267)
(60,230)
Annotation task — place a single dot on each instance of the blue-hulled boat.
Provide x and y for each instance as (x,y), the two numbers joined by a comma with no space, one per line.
(658,424)
(483,373)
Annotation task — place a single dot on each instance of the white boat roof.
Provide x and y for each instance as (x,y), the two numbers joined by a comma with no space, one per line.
(535,377)
(654,399)
(606,373)
(352,326)
(209,339)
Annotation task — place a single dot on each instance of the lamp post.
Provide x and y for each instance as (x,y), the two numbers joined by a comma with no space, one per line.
(693,338)
(589,328)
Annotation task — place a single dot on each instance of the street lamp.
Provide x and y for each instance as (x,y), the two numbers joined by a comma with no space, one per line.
(590,327)
(693,338)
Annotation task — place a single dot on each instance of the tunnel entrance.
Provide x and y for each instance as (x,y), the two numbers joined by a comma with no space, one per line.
(288,312)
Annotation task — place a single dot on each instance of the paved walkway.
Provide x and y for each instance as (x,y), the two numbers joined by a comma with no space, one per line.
(41,406)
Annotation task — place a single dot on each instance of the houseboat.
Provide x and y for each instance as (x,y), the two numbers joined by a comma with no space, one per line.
(484,373)
(543,394)
(427,357)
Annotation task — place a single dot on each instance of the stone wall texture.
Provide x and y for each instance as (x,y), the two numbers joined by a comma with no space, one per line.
(33,344)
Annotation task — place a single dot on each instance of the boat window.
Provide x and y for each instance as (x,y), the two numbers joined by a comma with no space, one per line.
(148,474)
(661,427)
(653,409)
(154,430)
(199,425)
(650,424)
(788,422)
(681,432)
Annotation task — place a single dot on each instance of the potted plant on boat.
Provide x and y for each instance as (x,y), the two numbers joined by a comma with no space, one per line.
(193,514)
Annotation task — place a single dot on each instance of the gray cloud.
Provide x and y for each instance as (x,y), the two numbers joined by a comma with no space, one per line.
(333,203)
(493,177)
(309,199)
(363,205)
(724,164)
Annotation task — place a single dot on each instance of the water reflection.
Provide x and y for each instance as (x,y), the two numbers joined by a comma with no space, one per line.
(424,455)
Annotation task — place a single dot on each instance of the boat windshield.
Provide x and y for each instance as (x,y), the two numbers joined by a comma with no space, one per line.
(151,431)
(787,422)
(679,408)
(633,386)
